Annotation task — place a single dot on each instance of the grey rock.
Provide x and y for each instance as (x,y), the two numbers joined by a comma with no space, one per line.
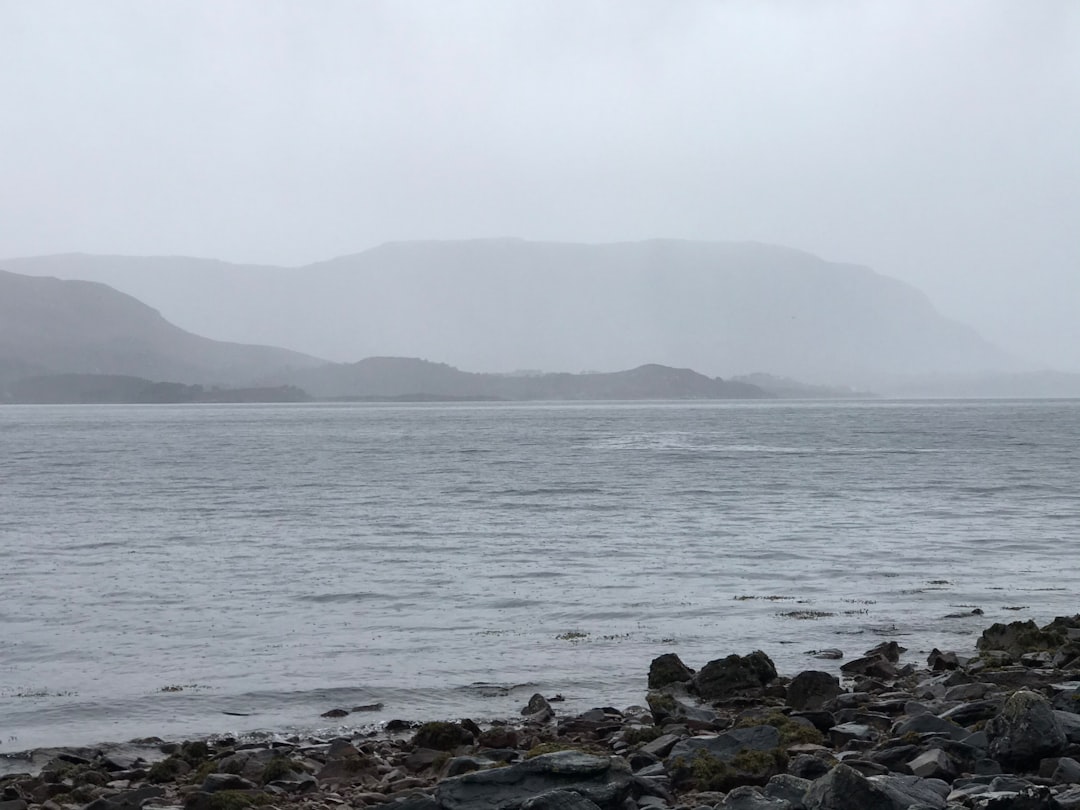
(1066,772)
(1032,798)
(846,732)
(933,763)
(1070,724)
(746,797)
(667,669)
(910,791)
(128,799)
(226,781)
(1025,731)
(537,703)
(661,746)
(844,788)
(791,788)
(559,800)
(605,781)
(808,766)
(812,689)
(734,675)
(929,724)
(1069,799)
(725,746)
(459,765)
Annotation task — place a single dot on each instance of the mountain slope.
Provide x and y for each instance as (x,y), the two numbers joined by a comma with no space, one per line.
(721,308)
(53,326)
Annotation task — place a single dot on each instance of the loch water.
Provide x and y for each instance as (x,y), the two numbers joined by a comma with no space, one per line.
(190,570)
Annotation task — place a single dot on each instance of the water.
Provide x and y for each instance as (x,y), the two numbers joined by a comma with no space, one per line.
(199,569)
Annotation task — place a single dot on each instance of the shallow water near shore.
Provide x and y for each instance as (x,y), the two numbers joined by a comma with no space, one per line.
(191,570)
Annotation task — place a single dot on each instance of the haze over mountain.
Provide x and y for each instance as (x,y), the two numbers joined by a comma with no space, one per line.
(52,326)
(498,305)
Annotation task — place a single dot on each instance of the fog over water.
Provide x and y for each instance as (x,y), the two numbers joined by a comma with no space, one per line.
(933,142)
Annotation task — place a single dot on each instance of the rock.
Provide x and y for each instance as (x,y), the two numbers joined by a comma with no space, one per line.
(368,707)
(128,799)
(934,763)
(1070,724)
(459,765)
(1025,731)
(889,650)
(537,703)
(844,788)
(441,736)
(1017,638)
(929,724)
(667,669)
(812,689)
(725,746)
(788,787)
(939,661)
(844,733)
(13,804)
(873,666)
(751,798)
(335,713)
(498,737)
(661,746)
(808,766)
(913,791)
(559,800)
(1066,772)
(226,781)
(604,781)
(1031,798)
(734,676)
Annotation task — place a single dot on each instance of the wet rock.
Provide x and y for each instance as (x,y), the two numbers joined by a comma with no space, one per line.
(225,781)
(873,666)
(442,736)
(889,650)
(667,669)
(559,800)
(939,661)
(747,797)
(735,675)
(1031,798)
(1025,731)
(128,799)
(1017,638)
(812,689)
(604,781)
(790,788)
(335,713)
(537,703)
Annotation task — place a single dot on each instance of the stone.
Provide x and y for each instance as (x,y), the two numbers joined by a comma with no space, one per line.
(1066,772)
(605,781)
(844,733)
(1070,724)
(791,788)
(725,746)
(844,788)
(808,766)
(456,766)
(667,669)
(1017,638)
(929,724)
(734,676)
(661,746)
(873,666)
(1025,731)
(537,703)
(812,689)
(559,800)
(934,763)
(889,650)
(939,661)
(747,797)
(226,781)
(128,799)
(441,736)
(913,791)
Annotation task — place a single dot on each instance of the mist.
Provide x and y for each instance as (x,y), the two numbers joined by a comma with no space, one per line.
(935,143)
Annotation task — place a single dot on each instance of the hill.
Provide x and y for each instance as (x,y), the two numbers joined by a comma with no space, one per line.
(50,326)
(722,308)
(408,378)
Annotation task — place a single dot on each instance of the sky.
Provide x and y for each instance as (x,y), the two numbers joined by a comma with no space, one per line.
(936,142)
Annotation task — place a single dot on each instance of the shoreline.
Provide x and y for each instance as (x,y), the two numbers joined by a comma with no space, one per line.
(998,729)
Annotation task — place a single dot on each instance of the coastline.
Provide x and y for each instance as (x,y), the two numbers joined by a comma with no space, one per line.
(998,729)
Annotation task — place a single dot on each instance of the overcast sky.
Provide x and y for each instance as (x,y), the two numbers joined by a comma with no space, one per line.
(938,142)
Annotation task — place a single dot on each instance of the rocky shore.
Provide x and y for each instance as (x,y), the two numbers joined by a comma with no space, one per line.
(997,730)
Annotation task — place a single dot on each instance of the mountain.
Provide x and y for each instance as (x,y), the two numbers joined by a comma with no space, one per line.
(82,389)
(49,326)
(722,308)
(410,378)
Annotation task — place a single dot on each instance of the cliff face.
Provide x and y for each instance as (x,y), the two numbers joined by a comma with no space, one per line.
(49,326)
(721,308)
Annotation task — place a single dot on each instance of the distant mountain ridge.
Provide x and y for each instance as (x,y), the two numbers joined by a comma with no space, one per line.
(724,309)
(49,326)
(398,377)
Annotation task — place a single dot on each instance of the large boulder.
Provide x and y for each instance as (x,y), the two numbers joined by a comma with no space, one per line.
(734,676)
(810,690)
(1025,731)
(844,788)
(604,781)
(668,668)
(441,736)
(1017,638)
(740,756)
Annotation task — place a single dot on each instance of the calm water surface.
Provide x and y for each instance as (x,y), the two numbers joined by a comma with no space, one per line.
(273,562)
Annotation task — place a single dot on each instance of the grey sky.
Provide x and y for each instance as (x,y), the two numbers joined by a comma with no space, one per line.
(936,142)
